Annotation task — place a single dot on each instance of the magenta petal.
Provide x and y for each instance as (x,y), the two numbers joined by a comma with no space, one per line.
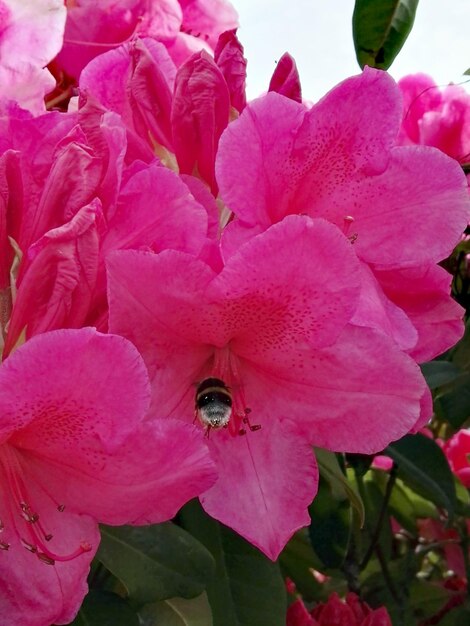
(423,293)
(266,481)
(156,210)
(173,467)
(58,387)
(200,113)
(285,79)
(229,57)
(289,267)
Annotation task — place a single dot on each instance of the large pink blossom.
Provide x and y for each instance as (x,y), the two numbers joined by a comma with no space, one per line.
(31,34)
(62,233)
(75,450)
(273,325)
(402,208)
(436,117)
(184,27)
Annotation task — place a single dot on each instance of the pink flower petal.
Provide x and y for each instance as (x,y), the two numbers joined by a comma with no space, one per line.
(266,481)
(66,373)
(207,19)
(173,467)
(229,57)
(285,79)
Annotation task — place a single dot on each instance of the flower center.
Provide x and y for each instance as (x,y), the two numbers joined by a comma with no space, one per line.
(26,521)
(220,396)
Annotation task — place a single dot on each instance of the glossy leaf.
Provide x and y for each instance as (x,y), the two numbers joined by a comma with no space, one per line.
(102,608)
(438,373)
(380,28)
(399,504)
(341,487)
(156,562)
(297,561)
(423,466)
(177,612)
(247,588)
(331,525)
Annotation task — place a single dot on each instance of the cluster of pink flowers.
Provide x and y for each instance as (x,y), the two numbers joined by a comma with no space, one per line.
(161,233)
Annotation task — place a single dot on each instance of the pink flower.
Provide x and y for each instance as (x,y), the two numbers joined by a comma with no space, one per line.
(184,27)
(339,160)
(272,327)
(30,36)
(62,233)
(457,451)
(74,451)
(436,117)
(334,612)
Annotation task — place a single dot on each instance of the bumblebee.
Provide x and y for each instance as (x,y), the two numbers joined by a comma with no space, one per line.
(213,403)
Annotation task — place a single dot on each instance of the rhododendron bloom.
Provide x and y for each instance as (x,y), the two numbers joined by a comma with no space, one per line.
(272,326)
(436,117)
(62,233)
(31,34)
(457,451)
(74,450)
(334,612)
(402,208)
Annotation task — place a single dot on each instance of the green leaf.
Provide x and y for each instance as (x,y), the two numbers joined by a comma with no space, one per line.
(331,526)
(177,612)
(438,373)
(427,598)
(247,589)
(453,404)
(341,487)
(380,28)
(156,562)
(400,505)
(467,72)
(423,466)
(297,561)
(102,608)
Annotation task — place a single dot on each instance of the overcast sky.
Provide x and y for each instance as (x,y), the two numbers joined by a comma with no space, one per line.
(318,34)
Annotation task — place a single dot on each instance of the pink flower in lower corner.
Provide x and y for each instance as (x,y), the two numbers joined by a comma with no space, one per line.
(75,450)
(352,612)
(272,328)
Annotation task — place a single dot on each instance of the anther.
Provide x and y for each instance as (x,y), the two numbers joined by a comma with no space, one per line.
(61,508)
(4,545)
(29,546)
(45,559)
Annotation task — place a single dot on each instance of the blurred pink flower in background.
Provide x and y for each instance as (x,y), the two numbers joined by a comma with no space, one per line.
(31,34)
(436,116)
(457,451)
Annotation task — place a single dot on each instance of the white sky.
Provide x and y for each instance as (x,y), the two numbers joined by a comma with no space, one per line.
(318,34)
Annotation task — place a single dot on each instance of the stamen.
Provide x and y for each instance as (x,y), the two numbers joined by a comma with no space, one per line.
(20,505)
(348,220)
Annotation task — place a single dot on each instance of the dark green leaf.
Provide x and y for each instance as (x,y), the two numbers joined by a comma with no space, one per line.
(297,561)
(341,487)
(423,466)
(438,373)
(380,28)
(453,404)
(177,612)
(101,608)
(247,589)
(331,525)
(156,562)
(467,72)
(400,505)
(427,598)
